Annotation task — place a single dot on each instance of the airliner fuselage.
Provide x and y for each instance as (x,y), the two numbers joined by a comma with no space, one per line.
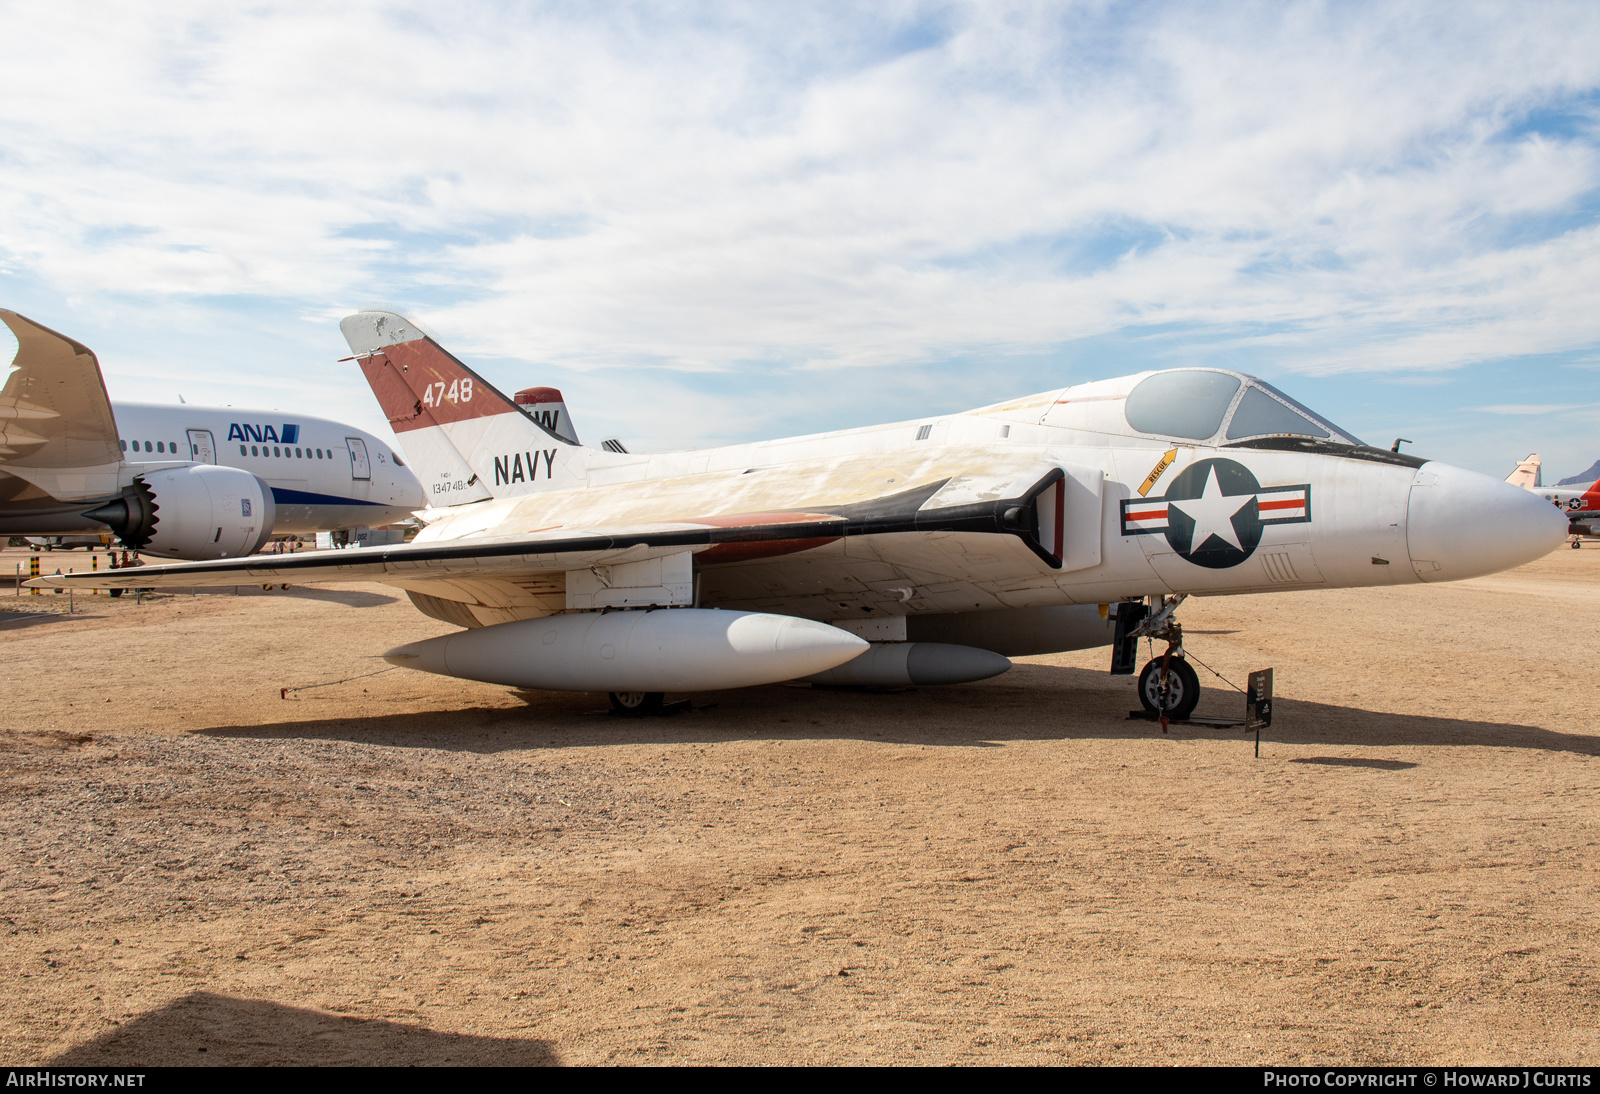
(323,474)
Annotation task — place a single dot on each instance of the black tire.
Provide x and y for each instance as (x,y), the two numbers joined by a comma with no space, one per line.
(1183,688)
(118,592)
(636,704)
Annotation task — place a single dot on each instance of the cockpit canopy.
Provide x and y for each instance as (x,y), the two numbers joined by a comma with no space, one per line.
(1200,404)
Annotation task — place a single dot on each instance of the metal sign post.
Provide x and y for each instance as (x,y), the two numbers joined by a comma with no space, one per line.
(1258,704)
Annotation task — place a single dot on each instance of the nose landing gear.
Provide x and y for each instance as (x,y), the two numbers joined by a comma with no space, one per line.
(1168,687)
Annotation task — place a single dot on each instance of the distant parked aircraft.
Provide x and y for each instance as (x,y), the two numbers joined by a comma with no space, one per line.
(179,481)
(1579,502)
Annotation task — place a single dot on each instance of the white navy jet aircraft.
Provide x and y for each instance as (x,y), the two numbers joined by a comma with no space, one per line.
(179,481)
(925,551)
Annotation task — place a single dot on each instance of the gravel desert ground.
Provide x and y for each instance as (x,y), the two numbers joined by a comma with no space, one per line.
(400,868)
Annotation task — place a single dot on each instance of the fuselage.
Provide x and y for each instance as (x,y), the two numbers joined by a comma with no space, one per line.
(1029,526)
(324,474)
(1182,504)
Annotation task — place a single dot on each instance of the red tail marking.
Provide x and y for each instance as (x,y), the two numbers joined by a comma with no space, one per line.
(1059,547)
(419,385)
(533,396)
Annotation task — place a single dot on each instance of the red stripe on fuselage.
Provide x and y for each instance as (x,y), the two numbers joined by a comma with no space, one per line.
(745,520)
(1060,548)
(768,548)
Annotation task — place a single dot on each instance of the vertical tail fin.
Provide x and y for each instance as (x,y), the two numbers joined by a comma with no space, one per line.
(549,409)
(1527,475)
(467,440)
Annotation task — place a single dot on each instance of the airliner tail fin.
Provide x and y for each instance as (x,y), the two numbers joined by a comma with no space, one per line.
(1527,475)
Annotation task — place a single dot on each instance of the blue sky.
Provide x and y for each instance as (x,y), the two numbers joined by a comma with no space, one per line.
(720,222)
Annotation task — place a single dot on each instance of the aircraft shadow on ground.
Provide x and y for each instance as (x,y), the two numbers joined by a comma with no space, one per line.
(353,598)
(1354,761)
(350,598)
(16,621)
(219,1030)
(1031,703)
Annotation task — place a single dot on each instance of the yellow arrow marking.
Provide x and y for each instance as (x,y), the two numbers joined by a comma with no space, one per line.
(1157,471)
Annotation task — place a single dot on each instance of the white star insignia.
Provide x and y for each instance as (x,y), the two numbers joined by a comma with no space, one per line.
(1212,513)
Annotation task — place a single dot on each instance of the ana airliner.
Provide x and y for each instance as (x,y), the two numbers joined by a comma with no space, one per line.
(179,481)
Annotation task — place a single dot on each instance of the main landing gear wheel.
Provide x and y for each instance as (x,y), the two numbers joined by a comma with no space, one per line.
(1180,693)
(636,704)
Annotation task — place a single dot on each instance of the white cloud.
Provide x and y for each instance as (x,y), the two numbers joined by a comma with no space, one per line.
(1347,187)
(1539,408)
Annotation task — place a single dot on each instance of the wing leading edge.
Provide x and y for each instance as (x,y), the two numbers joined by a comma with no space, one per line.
(950,504)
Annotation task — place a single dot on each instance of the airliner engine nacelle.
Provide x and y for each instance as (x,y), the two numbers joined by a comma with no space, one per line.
(198,513)
(672,649)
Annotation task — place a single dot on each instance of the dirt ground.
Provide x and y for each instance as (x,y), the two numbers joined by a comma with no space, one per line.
(402,868)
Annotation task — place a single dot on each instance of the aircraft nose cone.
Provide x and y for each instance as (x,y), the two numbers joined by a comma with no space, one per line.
(1462,524)
(800,640)
(424,656)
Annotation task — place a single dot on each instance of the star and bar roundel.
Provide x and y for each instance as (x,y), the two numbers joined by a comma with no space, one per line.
(1213,514)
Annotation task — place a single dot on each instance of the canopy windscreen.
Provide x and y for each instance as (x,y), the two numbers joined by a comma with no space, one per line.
(1186,403)
(1260,414)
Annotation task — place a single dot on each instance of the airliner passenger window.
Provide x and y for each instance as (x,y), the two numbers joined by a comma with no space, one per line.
(1186,403)
(1260,414)
(124,446)
(160,447)
(147,446)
